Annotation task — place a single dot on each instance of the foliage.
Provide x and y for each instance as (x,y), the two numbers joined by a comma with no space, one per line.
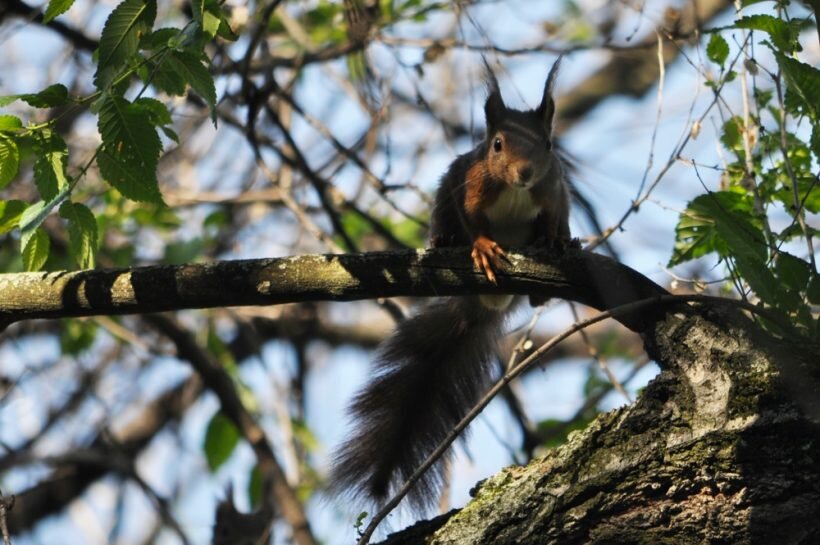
(166,60)
(775,150)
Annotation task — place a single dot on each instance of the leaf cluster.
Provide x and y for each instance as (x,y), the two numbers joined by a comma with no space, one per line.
(167,61)
(774,169)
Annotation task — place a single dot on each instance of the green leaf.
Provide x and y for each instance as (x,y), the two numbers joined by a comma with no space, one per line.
(778,30)
(763,283)
(170,134)
(718,49)
(721,222)
(130,151)
(731,134)
(10,122)
(35,251)
(221,438)
(804,81)
(792,271)
(10,212)
(120,38)
(190,67)
(82,233)
(50,164)
(226,32)
(55,8)
(160,38)
(210,23)
(53,95)
(165,78)
(156,111)
(9,160)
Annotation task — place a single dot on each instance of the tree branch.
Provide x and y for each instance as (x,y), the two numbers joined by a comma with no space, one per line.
(577,275)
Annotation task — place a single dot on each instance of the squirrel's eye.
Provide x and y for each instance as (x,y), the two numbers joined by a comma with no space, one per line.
(549,145)
(497,144)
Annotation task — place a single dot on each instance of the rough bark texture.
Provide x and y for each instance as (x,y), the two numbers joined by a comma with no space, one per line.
(722,447)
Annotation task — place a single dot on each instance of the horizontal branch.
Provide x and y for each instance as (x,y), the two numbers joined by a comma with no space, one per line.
(592,279)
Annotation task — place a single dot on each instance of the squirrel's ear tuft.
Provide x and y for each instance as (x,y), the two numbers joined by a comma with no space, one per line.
(546,110)
(494,108)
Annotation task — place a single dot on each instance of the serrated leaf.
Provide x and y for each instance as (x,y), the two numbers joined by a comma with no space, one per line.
(120,37)
(82,233)
(221,438)
(10,122)
(9,160)
(130,151)
(35,251)
(760,279)
(804,81)
(165,78)
(160,38)
(190,67)
(156,111)
(778,30)
(10,212)
(50,164)
(55,8)
(718,49)
(792,271)
(719,222)
(137,186)
(53,95)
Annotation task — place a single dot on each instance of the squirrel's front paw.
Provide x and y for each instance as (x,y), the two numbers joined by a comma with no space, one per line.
(487,256)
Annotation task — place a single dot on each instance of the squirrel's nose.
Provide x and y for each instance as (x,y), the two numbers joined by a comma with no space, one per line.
(525,173)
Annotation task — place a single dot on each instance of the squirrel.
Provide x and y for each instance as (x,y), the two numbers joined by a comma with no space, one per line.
(508,191)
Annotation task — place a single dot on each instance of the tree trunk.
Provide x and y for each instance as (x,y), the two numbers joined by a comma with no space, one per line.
(722,447)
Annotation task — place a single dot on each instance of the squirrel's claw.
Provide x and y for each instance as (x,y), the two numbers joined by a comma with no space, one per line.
(487,256)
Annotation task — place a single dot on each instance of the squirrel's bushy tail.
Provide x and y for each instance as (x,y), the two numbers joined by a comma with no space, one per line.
(431,371)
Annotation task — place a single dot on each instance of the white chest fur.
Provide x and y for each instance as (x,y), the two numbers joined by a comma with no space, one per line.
(511,217)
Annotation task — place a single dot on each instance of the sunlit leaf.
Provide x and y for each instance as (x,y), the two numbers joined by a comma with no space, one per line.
(82,233)
(55,8)
(120,38)
(35,251)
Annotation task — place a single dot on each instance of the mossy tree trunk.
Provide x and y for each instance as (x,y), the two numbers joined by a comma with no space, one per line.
(722,447)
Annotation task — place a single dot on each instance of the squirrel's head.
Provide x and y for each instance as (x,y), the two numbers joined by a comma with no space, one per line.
(519,143)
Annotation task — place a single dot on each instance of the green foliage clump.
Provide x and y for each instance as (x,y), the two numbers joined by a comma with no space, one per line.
(169,60)
(773,169)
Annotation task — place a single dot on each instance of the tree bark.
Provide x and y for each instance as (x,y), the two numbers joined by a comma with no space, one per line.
(722,447)
(592,279)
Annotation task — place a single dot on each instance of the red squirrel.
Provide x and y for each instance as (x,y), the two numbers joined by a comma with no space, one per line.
(508,191)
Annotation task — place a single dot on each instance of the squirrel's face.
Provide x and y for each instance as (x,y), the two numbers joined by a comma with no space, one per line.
(519,144)
(519,150)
